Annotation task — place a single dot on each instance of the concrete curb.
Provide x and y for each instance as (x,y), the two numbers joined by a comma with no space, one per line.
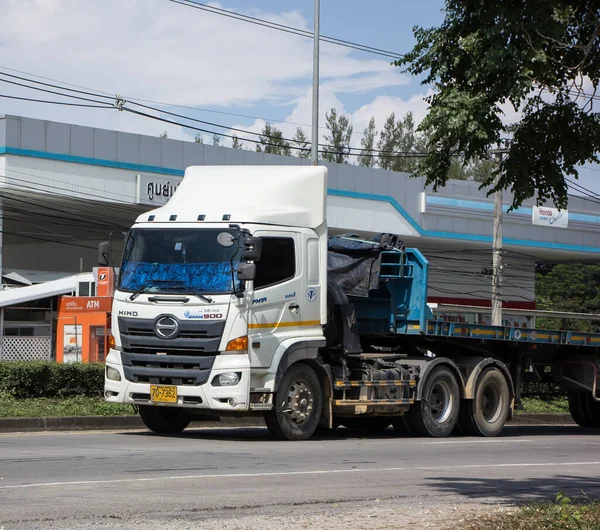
(541,419)
(110,423)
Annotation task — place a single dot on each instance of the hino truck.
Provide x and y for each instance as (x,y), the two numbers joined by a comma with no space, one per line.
(232,300)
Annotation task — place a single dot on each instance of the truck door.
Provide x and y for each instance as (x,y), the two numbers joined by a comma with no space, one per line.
(276,312)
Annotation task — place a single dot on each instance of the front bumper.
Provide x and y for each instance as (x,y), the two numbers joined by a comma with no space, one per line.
(206,396)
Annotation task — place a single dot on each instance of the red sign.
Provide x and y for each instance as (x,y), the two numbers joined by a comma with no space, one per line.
(80,304)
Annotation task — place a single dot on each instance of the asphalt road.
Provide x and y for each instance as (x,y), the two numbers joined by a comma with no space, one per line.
(123,479)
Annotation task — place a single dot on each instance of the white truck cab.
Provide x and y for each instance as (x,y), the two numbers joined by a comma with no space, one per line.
(215,290)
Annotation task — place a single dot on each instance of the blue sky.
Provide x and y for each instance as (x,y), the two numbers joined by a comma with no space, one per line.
(158,50)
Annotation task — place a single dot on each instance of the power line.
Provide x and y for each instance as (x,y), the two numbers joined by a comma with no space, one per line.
(287,29)
(348,151)
(66,103)
(189,107)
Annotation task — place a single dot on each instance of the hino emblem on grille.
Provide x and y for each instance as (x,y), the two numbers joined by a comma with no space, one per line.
(166,327)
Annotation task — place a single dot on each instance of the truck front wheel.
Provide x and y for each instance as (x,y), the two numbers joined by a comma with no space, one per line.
(298,404)
(436,413)
(164,420)
(486,413)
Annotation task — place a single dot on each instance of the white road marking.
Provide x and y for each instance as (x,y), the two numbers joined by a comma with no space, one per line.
(469,442)
(297,473)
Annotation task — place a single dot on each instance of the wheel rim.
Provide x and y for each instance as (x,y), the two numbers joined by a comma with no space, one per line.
(300,401)
(440,401)
(491,402)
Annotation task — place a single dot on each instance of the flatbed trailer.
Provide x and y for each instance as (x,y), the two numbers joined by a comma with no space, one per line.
(397,319)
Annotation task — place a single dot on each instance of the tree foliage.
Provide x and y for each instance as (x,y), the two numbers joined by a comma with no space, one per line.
(272,142)
(367,143)
(235,143)
(338,139)
(570,288)
(301,144)
(534,55)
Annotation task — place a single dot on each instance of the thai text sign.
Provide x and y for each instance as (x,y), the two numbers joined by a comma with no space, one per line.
(155,190)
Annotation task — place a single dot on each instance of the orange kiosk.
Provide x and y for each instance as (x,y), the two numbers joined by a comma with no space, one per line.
(83,325)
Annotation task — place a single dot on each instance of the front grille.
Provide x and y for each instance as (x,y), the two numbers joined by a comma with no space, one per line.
(195,337)
(166,369)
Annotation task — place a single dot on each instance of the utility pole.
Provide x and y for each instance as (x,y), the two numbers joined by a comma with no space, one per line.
(314,151)
(497,265)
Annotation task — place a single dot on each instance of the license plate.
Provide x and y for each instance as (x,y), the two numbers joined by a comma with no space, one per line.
(163,394)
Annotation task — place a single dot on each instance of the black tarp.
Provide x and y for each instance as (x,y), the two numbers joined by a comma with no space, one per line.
(354,264)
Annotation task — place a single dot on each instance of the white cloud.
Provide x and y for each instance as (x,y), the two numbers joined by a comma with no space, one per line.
(158,50)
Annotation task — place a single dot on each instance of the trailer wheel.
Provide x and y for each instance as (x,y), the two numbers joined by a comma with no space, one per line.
(298,405)
(486,413)
(436,413)
(164,420)
(593,409)
(579,410)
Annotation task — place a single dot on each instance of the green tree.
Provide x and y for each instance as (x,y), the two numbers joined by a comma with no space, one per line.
(338,139)
(273,142)
(530,54)
(571,288)
(198,139)
(301,143)
(236,144)
(216,139)
(400,144)
(389,142)
(367,158)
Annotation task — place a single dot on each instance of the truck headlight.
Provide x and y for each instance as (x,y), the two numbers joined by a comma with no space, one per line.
(113,374)
(227,379)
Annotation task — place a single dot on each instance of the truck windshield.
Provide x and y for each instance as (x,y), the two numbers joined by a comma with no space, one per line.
(172,259)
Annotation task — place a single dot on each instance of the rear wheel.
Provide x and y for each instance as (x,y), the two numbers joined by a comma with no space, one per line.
(486,413)
(164,420)
(593,410)
(579,409)
(298,404)
(437,412)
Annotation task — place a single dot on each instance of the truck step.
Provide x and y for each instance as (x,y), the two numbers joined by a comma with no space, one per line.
(354,402)
(261,406)
(383,382)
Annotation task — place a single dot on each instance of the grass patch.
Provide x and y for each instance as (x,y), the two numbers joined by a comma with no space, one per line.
(538,405)
(562,514)
(11,407)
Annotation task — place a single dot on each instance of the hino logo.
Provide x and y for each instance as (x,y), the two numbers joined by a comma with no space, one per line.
(128,313)
(166,328)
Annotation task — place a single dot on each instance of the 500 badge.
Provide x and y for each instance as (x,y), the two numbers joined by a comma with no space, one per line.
(201,315)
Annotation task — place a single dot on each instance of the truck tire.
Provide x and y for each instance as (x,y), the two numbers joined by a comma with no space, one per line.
(164,420)
(579,410)
(298,403)
(436,414)
(486,413)
(373,424)
(593,410)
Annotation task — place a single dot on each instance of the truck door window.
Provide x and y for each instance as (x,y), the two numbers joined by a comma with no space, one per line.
(277,262)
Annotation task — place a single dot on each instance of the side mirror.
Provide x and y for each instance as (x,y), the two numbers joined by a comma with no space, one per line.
(252,248)
(103,254)
(246,271)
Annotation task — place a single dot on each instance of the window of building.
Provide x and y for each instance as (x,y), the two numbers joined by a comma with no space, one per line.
(277,262)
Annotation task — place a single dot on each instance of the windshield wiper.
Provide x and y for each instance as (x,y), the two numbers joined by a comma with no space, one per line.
(147,286)
(189,290)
